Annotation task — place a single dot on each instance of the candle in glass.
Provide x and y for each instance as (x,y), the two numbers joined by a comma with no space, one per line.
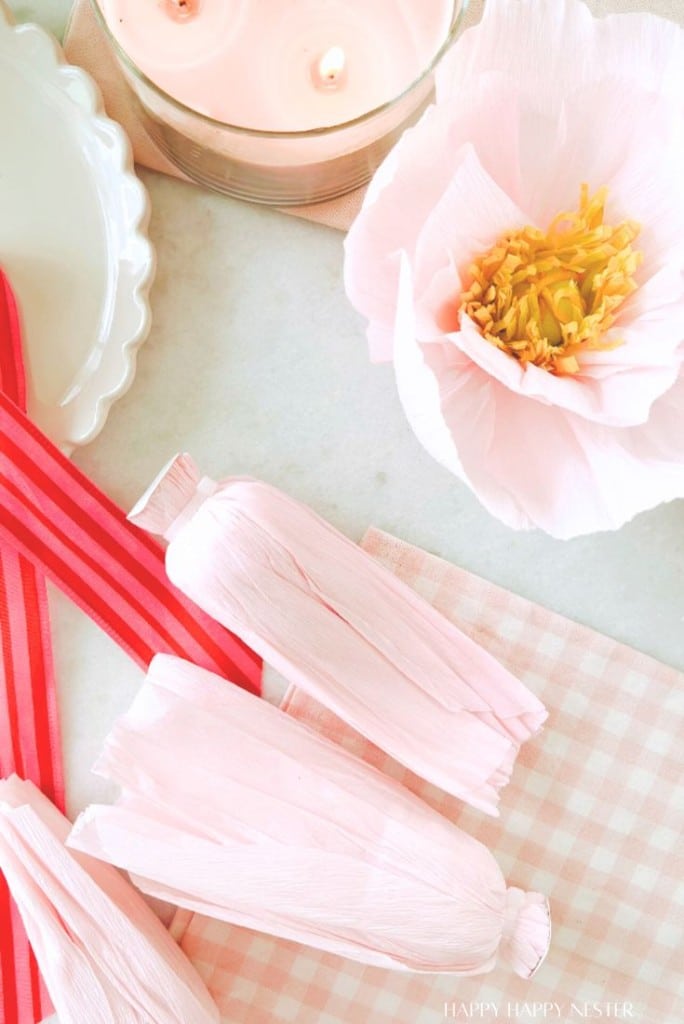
(279,100)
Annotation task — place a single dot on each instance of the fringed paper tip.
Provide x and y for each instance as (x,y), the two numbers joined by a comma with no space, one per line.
(527,931)
(103,954)
(170,499)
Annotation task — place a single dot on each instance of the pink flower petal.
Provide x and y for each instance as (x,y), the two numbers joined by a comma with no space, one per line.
(393,211)
(616,399)
(553,47)
(468,219)
(418,385)
(651,302)
(643,47)
(639,157)
(564,64)
(409,183)
(380,342)
(532,465)
(527,41)
(581,148)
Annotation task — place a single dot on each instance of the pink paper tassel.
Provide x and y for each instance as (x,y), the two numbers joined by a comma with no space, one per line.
(105,957)
(343,628)
(232,808)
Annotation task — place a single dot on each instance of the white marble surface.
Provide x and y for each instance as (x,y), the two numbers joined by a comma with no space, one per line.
(52,14)
(256,363)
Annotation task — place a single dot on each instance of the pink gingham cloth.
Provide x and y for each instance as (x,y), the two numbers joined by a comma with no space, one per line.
(593,817)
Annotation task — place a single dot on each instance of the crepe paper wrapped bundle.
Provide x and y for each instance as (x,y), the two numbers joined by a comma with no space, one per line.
(104,956)
(343,628)
(231,808)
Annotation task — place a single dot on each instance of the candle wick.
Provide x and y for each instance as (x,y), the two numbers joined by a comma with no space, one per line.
(329,71)
(182,9)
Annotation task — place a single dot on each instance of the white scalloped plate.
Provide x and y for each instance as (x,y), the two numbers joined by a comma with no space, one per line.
(72,235)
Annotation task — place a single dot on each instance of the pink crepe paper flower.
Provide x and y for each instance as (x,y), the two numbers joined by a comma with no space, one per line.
(532,104)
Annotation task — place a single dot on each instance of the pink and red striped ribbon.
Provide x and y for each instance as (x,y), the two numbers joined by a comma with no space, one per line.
(56,524)
(51,512)
(29,725)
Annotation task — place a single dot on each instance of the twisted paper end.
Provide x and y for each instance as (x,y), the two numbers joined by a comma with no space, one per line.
(172,497)
(526,932)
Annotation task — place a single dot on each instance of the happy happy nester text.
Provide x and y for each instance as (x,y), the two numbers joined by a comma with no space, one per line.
(514,1011)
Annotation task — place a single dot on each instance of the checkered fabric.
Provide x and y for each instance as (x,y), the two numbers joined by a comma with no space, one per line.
(593,817)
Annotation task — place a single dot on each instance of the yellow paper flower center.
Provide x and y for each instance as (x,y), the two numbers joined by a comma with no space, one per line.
(544,297)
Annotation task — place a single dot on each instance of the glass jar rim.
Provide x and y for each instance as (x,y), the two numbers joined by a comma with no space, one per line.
(460,8)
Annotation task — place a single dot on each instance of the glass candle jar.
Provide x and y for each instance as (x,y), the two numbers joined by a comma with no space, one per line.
(279,101)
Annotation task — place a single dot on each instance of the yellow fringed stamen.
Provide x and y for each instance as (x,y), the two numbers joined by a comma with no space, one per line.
(546,297)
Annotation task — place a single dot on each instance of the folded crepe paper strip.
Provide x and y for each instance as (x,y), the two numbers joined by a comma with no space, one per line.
(343,628)
(232,808)
(29,724)
(54,515)
(105,956)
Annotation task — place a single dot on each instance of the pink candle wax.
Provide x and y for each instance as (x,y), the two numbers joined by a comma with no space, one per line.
(281,65)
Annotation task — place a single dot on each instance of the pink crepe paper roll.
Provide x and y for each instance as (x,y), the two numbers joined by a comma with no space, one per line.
(343,628)
(105,957)
(231,808)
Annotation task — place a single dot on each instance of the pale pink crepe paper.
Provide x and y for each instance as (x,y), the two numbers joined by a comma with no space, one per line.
(104,955)
(342,628)
(232,808)
(531,103)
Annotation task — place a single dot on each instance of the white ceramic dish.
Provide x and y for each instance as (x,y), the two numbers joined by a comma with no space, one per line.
(72,235)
